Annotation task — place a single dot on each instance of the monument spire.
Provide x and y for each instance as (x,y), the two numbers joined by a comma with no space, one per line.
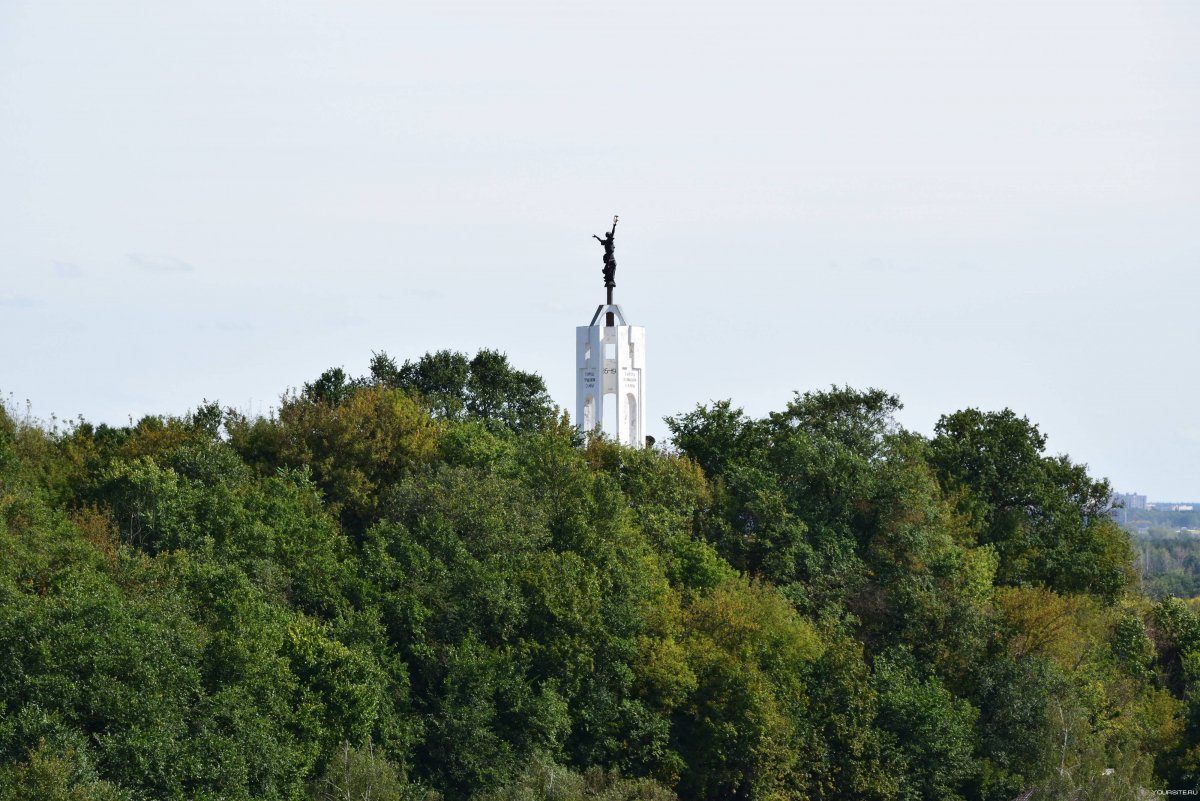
(610,360)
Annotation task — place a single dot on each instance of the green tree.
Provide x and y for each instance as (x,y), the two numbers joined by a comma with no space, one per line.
(355,445)
(49,776)
(485,387)
(1044,515)
(933,731)
(744,732)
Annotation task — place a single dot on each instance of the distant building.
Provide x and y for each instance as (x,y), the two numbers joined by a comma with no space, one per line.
(1171,506)
(1125,502)
(1130,500)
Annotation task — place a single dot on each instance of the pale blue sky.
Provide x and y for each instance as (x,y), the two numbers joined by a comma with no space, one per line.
(968,204)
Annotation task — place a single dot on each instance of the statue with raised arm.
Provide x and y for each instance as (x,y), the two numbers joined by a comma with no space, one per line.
(610,261)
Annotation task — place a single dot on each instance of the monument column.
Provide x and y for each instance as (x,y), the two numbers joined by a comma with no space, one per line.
(610,361)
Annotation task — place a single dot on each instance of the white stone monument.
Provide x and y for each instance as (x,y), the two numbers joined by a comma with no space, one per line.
(610,361)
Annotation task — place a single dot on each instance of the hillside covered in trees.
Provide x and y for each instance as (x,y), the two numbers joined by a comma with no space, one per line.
(422,584)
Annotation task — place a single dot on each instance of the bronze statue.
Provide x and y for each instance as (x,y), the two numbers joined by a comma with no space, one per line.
(610,261)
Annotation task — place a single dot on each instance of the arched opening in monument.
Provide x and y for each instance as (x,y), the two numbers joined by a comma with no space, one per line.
(589,413)
(612,415)
(631,404)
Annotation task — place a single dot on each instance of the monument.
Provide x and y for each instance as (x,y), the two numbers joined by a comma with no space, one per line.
(610,360)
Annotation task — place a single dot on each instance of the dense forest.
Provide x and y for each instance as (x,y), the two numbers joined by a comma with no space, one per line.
(1169,563)
(1167,544)
(422,583)
(1159,520)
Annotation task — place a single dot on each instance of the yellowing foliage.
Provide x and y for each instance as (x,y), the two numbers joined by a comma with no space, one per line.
(1043,623)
